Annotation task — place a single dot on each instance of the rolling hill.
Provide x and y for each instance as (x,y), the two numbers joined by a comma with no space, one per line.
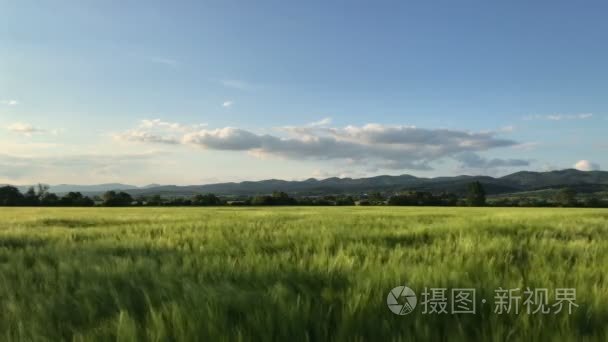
(523,181)
(582,181)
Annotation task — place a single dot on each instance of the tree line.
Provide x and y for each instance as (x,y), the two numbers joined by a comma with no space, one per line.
(476,196)
(40,196)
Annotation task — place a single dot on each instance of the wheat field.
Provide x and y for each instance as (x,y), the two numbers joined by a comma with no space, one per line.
(294,273)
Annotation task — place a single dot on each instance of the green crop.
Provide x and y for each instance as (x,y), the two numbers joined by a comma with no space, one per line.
(292,273)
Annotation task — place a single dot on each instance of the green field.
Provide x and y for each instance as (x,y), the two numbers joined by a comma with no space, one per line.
(212,274)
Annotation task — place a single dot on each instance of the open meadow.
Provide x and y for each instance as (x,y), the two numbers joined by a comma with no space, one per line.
(295,273)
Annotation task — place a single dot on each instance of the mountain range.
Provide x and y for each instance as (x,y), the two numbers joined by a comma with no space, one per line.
(582,181)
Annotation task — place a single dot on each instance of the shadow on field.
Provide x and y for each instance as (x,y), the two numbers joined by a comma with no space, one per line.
(13,242)
(92,289)
(89,223)
(546,232)
(84,223)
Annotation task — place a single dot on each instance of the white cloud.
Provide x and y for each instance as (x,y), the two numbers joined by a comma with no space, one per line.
(236,84)
(560,117)
(474,161)
(157,131)
(138,135)
(321,123)
(163,60)
(9,102)
(147,123)
(372,145)
(172,126)
(585,165)
(24,128)
(227,104)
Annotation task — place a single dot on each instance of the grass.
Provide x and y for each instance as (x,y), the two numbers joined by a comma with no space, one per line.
(300,274)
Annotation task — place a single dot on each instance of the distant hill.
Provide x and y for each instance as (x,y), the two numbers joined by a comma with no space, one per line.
(570,177)
(581,181)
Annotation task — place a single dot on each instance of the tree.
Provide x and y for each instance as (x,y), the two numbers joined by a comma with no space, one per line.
(376,198)
(113,199)
(76,199)
(261,200)
(405,198)
(423,198)
(154,200)
(42,190)
(566,197)
(206,199)
(448,199)
(277,198)
(49,199)
(10,196)
(30,198)
(348,200)
(593,202)
(282,198)
(477,195)
(178,202)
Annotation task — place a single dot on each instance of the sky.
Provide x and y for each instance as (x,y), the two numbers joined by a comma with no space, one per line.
(196,92)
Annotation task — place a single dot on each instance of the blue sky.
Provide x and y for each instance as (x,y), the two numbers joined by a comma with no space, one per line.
(204,91)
